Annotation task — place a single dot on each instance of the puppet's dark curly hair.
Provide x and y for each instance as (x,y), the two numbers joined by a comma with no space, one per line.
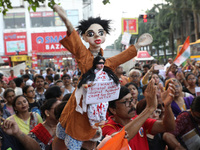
(90,75)
(85,24)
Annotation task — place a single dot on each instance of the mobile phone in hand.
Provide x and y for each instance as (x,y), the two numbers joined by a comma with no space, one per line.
(179,69)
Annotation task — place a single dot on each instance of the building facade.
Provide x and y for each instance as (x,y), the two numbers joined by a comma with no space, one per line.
(33,37)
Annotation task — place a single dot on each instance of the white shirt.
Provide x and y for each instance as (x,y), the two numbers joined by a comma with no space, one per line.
(66,91)
(18,91)
(29,82)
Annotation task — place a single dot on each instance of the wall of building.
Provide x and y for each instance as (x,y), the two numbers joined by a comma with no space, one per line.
(28,29)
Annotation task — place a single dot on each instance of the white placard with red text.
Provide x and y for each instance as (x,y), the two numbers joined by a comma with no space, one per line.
(102,92)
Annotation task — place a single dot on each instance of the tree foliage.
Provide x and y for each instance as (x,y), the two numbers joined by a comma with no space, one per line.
(5,5)
(174,21)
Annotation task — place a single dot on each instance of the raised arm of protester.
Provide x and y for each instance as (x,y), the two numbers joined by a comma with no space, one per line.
(11,128)
(145,79)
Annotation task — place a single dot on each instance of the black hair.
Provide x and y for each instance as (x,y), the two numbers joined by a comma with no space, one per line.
(53,92)
(90,75)
(18,81)
(141,105)
(66,97)
(58,109)
(38,77)
(25,88)
(1,110)
(65,75)
(131,83)
(75,79)
(49,77)
(186,77)
(57,81)
(26,76)
(7,91)
(47,106)
(137,65)
(48,69)
(146,66)
(56,77)
(1,75)
(195,106)
(197,80)
(85,24)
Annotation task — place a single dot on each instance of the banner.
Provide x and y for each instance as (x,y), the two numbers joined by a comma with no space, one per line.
(47,42)
(130,25)
(102,92)
(15,43)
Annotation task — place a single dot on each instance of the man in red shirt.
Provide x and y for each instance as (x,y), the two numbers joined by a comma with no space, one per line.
(123,113)
(11,77)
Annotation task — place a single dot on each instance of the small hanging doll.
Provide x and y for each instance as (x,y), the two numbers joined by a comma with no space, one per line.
(98,73)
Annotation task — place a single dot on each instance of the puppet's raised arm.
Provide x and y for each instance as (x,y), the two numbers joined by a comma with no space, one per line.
(144,40)
(62,14)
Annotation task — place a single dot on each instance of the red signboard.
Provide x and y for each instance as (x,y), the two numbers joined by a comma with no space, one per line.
(42,14)
(34,60)
(5,58)
(143,54)
(47,42)
(15,42)
(58,60)
(130,25)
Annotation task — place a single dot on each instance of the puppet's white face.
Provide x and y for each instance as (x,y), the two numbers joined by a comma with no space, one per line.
(95,35)
(100,65)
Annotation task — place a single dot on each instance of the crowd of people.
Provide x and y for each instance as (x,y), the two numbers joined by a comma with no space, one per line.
(33,110)
(154,109)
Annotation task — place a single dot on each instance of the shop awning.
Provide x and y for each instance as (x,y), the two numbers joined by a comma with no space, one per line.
(143,56)
(54,53)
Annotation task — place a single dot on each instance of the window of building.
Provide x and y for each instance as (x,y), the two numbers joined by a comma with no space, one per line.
(49,18)
(36,19)
(14,20)
(58,21)
(73,16)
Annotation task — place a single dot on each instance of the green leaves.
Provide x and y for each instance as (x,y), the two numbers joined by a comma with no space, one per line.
(105,2)
(5,5)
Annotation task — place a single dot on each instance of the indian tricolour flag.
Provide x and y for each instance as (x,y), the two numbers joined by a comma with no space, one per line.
(184,53)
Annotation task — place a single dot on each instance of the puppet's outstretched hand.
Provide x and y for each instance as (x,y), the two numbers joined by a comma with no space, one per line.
(62,14)
(88,85)
(144,40)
